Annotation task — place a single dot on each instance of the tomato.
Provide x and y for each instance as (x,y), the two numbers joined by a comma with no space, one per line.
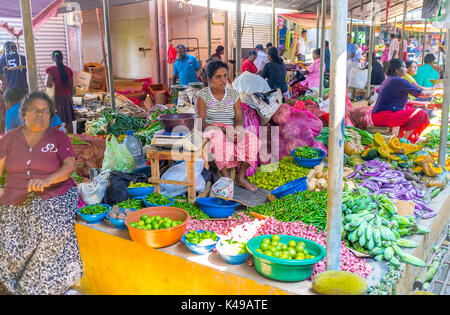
(284,246)
(274,243)
(266,240)
(292,243)
(300,257)
(284,255)
(275,238)
(305,252)
(276,253)
(298,249)
(268,253)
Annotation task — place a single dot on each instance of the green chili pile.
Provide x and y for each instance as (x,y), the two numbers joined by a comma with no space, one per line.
(310,207)
(193,211)
(306,152)
(157,199)
(132,204)
(93,209)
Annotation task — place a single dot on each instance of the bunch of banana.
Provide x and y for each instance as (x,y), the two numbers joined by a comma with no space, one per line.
(385,205)
(370,233)
(407,226)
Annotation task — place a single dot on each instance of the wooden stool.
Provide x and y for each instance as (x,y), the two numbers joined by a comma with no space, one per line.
(155,155)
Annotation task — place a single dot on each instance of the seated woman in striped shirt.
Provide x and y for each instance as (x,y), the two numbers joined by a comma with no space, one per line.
(219,106)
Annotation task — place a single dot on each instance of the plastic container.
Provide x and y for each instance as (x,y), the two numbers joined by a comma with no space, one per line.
(309,162)
(297,185)
(135,147)
(95,218)
(158,238)
(232,259)
(140,191)
(199,249)
(217,207)
(284,269)
(148,204)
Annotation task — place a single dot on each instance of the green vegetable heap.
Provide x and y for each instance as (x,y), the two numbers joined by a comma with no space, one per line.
(310,207)
(372,226)
(195,237)
(193,211)
(306,152)
(154,223)
(131,204)
(93,209)
(277,174)
(157,199)
(292,250)
(139,185)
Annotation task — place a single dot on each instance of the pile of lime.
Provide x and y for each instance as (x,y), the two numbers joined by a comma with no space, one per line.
(154,223)
(139,185)
(292,250)
(277,174)
(201,238)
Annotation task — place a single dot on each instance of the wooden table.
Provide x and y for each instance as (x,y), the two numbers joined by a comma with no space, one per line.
(155,155)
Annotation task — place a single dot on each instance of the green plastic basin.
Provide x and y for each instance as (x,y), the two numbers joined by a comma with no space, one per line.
(285,269)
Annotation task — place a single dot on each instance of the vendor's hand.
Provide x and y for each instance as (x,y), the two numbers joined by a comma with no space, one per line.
(39,184)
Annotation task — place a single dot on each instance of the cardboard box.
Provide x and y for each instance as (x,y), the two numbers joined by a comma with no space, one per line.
(95,68)
(160,93)
(89,81)
(79,91)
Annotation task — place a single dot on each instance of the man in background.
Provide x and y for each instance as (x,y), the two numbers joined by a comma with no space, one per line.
(301,47)
(13,70)
(261,58)
(394,48)
(185,67)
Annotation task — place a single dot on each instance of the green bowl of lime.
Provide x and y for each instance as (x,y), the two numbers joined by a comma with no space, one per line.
(285,257)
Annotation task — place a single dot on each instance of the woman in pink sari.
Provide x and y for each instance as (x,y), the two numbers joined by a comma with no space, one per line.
(312,73)
(223,124)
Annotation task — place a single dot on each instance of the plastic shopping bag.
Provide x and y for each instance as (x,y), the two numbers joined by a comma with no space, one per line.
(250,83)
(117,157)
(178,172)
(224,187)
(93,192)
(357,78)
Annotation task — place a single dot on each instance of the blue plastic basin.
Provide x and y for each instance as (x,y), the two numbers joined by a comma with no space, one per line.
(297,185)
(118,223)
(95,218)
(309,162)
(232,259)
(140,191)
(198,249)
(148,204)
(217,207)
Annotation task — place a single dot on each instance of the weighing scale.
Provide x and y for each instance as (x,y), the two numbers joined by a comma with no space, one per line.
(187,140)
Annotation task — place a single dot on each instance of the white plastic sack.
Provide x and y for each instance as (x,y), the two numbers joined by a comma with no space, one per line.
(93,192)
(178,172)
(265,110)
(223,187)
(357,78)
(373,98)
(324,105)
(250,83)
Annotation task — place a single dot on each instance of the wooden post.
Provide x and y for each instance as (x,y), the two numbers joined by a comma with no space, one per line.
(424,41)
(238,38)
(317,25)
(351,22)
(445,109)
(338,90)
(163,39)
(405,12)
(322,47)
(274,25)
(208,26)
(371,46)
(30,52)
(109,53)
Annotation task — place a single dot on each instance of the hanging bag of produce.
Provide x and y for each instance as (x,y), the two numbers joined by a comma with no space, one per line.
(117,157)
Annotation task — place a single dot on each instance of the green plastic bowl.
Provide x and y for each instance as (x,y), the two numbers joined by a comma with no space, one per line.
(285,269)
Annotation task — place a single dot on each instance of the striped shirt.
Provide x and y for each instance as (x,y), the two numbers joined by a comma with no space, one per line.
(219,111)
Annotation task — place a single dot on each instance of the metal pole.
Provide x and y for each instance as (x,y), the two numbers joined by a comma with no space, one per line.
(317,25)
(403,29)
(338,79)
(238,37)
(208,29)
(30,52)
(351,22)
(322,47)
(108,51)
(440,43)
(424,41)
(371,46)
(274,25)
(445,111)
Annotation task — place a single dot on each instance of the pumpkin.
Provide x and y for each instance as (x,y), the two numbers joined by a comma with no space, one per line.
(379,140)
(417,169)
(369,154)
(411,148)
(396,146)
(431,170)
